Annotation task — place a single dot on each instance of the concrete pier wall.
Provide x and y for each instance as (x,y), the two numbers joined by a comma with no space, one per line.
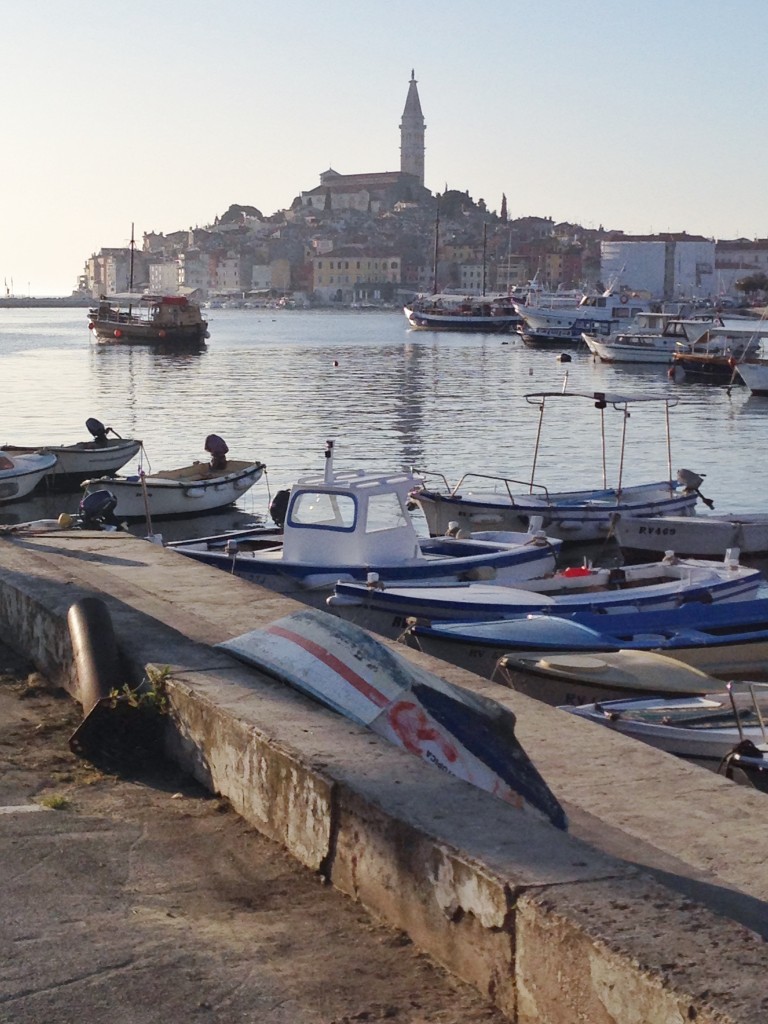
(653,907)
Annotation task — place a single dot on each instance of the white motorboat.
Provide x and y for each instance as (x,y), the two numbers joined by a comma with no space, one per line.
(656,585)
(347,525)
(76,462)
(187,491)
(650,338)
(20,474)
(544,325)
(483,501)
(706,729)
(692,536)
(755,375)
(656,337)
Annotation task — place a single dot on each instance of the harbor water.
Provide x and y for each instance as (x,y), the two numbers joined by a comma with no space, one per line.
(276,384)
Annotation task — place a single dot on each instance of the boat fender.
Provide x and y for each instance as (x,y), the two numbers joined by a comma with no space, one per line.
(118,333)
(616,578)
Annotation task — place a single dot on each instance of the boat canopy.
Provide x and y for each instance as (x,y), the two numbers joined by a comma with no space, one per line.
(609,397)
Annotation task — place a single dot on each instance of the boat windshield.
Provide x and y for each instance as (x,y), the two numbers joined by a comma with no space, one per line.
(327,509)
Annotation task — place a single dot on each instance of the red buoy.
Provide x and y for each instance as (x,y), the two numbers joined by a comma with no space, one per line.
(118,333)
(90,326)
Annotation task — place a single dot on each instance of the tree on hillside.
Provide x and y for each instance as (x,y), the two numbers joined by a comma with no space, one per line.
(503,214)
(752,283)
(236,213)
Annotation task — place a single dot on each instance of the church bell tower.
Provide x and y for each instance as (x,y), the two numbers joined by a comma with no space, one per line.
(412,130)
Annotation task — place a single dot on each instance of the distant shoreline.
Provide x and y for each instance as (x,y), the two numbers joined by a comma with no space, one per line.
(47,301)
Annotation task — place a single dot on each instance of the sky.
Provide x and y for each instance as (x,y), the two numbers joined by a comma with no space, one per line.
(640,116)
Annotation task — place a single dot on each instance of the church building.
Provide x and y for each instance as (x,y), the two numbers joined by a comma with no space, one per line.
(380,190)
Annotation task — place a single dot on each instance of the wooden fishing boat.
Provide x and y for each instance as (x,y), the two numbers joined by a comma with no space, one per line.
(162,320)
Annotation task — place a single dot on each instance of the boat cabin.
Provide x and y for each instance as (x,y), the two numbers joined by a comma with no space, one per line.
(350,518)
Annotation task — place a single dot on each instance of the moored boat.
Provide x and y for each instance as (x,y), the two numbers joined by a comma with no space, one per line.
(652,586)
(544,325)
(706,729)
(76,462)
(483,501)
(577,679)
(726,639)
(755,375)
(162,320)
(20,474)
(480,313)
(692,536)
(187,491)
(345,525)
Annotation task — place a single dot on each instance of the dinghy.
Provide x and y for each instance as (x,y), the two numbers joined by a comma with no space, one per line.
(188,491)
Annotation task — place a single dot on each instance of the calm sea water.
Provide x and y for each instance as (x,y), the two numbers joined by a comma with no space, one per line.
(277,384)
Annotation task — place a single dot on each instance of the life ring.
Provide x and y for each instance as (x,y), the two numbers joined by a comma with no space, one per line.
(624,300)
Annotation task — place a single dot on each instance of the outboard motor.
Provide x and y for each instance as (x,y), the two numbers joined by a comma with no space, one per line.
(278,507)
(97,430)
(691,483)
(217,448)
(97,510)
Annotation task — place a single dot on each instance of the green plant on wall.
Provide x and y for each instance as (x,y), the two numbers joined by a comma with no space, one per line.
(151,694)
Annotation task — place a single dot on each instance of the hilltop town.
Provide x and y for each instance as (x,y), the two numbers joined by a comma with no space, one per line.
(376,239)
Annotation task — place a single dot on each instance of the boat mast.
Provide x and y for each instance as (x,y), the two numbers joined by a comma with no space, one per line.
(437,243)
(133,249)
(485,248)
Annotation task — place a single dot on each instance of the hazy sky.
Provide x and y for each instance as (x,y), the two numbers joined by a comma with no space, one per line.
(644,116)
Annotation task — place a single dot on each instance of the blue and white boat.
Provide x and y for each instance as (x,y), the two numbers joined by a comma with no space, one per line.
(725,639)
(483,501)
(652,586)
(351,524)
